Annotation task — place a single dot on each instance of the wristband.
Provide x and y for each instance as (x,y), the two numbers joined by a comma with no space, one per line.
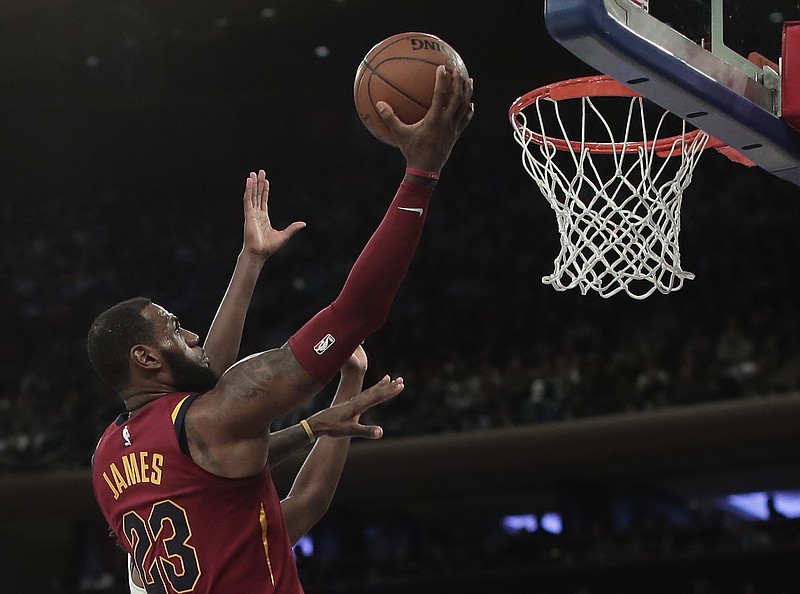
(311,437)
(432,175)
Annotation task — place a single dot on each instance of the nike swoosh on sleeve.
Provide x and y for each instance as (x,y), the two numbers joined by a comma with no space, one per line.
(419,211)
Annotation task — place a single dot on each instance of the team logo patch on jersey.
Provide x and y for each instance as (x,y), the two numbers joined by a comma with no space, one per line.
(324,344)
(126,436)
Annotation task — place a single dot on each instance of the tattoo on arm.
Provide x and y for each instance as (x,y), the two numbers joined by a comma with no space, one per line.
(248,382)
(250,377)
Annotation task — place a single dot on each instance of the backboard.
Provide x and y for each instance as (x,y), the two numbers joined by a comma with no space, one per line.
(691,58)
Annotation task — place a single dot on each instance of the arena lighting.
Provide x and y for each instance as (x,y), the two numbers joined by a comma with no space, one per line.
(519,523)
(305,545)
(754,505)
(549,522)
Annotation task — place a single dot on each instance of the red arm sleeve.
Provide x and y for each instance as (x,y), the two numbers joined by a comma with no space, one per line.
(324,343)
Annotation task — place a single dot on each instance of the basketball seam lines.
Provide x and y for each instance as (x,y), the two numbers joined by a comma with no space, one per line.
(395,42)
(372,69)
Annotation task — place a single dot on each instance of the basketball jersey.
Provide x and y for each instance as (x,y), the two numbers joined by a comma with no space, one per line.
(189,530)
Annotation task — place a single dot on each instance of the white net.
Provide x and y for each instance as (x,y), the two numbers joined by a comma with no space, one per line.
(617,200)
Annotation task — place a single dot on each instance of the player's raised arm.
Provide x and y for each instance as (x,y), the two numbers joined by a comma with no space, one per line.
(232,420)
(260,242)
(316,483)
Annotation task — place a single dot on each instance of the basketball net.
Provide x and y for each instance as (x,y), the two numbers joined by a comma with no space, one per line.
(617,196)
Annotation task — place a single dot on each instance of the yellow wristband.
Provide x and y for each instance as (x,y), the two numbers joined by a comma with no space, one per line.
(311,437)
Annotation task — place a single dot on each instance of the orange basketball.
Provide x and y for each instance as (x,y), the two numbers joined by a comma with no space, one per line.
(401,70)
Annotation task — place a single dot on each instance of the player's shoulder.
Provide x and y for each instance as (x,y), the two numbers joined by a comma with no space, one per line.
(174,403)
(164,410)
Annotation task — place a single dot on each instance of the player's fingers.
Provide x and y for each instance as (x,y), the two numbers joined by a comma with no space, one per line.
(465,104)
(290,231)
(385,389)
(264,198)
(456,99)
(254,195)
(370,431)
(466,118)
(469,89)
(441,91)
(261,180)
(248,193)
(388,116)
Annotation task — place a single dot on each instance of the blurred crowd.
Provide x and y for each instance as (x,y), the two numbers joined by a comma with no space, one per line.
(480,341)
(707,554)
(604,543)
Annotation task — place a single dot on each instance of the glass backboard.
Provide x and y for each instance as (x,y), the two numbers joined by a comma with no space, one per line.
(691,57)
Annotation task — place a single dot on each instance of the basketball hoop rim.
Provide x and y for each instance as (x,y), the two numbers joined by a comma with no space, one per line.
(600,85)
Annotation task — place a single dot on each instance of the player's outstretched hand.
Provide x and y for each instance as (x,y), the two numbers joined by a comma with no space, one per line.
(427,144)
(341,420)
(260,239)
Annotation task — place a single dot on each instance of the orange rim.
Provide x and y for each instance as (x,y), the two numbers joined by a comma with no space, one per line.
(600,86)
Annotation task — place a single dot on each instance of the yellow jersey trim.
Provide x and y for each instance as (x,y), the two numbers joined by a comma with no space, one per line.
(263,519)
(177,408)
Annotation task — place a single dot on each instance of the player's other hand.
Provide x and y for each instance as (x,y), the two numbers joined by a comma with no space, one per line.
(427,144)
(341,420)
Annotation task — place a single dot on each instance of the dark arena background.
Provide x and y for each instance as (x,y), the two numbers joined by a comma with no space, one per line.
(546,442)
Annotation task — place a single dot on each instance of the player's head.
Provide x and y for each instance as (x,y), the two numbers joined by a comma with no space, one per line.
(138,342)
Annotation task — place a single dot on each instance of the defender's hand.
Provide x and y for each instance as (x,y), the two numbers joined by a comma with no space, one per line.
(260,238)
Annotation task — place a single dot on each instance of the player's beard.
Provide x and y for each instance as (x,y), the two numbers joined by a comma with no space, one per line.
(189,375)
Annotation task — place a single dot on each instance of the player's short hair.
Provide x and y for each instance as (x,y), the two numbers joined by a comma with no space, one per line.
(111,337)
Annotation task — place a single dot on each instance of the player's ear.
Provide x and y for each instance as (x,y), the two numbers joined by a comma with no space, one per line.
(145,357)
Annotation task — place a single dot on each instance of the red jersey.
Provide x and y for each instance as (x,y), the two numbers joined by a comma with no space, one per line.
(189,530)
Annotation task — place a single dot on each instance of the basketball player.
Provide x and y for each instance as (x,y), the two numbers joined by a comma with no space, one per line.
(183,479)
(318,478)
(316,482)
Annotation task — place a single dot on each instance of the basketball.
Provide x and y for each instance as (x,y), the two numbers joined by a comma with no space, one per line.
(401,70)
